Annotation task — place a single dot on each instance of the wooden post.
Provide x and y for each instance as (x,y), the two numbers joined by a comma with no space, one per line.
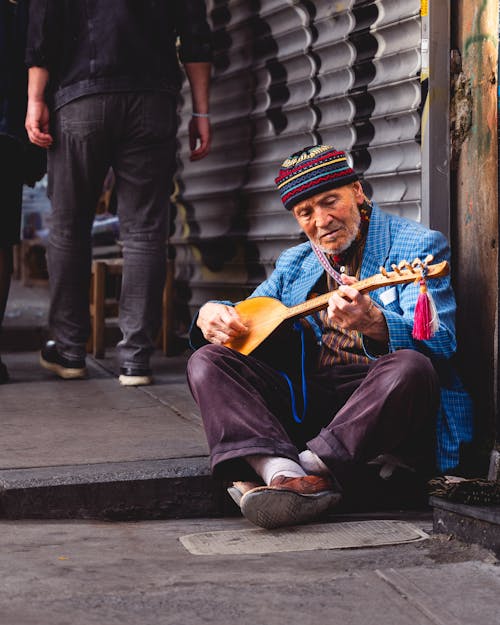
(97,307)
(475,211)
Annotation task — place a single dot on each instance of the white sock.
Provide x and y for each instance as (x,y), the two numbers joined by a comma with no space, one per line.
(268,467)
(312,464)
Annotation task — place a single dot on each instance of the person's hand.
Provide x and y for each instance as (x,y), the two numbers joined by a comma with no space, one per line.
(351,310)
(199,137)
(219,323)
(37,123)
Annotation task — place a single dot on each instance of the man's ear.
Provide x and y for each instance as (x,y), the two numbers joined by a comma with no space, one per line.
(359,194)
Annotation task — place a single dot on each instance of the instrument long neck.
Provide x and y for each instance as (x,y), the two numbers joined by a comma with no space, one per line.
(363,286)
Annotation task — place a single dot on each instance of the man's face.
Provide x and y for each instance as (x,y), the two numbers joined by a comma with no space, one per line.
(331,219)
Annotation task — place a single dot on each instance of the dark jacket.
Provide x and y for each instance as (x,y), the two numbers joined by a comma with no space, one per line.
(13,91)
(92,46)
(13,76)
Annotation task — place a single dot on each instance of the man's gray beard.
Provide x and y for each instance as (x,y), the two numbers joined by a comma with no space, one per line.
(340,249)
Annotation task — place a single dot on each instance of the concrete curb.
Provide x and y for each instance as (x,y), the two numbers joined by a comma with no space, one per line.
(149,489)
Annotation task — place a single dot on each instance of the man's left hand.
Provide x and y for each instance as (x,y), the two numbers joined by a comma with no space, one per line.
(199,137)
(351,310)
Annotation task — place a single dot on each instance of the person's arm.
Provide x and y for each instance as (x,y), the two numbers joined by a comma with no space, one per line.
(398,316)
(42,52)
(37,112)
(199,126)
(195,53)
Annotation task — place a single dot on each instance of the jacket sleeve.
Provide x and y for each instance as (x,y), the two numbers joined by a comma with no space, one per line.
(194,31)
(45,28)
(399,315)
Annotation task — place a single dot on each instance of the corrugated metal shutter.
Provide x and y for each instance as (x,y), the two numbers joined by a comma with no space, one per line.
(290,74)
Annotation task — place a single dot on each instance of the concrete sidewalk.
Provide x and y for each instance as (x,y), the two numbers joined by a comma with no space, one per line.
(90,572)
(91,448)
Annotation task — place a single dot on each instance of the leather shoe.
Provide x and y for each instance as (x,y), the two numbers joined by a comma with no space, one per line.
(307,485)
(288,501)
(134,376)
(65,368)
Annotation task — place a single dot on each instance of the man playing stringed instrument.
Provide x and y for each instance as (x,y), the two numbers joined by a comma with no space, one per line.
(382,389)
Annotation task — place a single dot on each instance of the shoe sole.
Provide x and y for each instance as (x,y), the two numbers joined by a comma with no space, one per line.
(135,380)
(235,494)
(271,508)
(66,373)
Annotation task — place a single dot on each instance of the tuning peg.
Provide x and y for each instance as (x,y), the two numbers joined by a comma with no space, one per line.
(396,268)
(404,264)
(428,259)
(383,271)
(407,265)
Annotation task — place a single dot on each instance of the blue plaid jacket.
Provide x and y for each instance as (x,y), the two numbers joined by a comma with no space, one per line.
(390,240)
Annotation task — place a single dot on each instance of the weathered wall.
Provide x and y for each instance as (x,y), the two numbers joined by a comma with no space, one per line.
(475,210)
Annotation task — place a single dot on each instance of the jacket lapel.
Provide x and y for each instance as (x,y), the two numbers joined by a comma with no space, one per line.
(378,243)
(310,273)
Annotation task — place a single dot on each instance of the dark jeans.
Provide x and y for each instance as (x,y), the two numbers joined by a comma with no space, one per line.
(135,134)
(355,412)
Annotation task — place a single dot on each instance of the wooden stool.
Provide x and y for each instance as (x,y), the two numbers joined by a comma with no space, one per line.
(101,308)
(33,263)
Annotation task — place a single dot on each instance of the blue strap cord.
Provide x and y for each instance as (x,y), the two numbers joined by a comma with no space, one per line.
(298,327)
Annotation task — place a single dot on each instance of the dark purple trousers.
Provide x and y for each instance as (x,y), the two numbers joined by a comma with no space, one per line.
(354,412)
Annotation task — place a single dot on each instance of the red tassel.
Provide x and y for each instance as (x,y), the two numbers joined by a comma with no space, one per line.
(425,321)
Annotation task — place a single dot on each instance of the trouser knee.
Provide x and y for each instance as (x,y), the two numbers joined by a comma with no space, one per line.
(414,365)
(203,361)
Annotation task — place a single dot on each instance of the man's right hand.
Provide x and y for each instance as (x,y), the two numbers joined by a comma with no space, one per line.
(219,323)
(37,123)
(37,113)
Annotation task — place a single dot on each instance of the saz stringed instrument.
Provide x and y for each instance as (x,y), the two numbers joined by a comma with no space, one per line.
(263,315)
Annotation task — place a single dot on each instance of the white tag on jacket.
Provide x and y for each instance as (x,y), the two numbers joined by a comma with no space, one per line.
(389,296)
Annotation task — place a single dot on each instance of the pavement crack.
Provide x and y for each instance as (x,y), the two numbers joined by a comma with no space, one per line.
(409,592)
(189,418)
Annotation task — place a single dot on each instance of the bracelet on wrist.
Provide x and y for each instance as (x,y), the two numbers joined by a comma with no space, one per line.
(200,115)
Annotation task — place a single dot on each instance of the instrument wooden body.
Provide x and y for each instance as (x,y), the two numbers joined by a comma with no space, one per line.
(263,315)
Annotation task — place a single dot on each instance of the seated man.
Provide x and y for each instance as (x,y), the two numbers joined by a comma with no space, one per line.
(373,393)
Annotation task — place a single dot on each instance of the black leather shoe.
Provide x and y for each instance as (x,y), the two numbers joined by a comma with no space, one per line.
(65,368)
(4,374)
(132,376)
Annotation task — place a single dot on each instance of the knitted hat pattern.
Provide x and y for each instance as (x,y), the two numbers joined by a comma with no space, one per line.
(313,170)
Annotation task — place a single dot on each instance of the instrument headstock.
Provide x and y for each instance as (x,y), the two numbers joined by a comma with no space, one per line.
(418,269)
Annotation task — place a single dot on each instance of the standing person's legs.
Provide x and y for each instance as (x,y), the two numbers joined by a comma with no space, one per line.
(77,165)
(144,165)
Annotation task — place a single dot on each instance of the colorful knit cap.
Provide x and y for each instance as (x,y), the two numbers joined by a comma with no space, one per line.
(313,170)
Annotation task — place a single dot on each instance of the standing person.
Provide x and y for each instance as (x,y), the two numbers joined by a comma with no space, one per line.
(103,81)
(379,389)
(22,163)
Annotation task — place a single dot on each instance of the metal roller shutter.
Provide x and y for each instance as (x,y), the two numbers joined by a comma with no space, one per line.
(290,74)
